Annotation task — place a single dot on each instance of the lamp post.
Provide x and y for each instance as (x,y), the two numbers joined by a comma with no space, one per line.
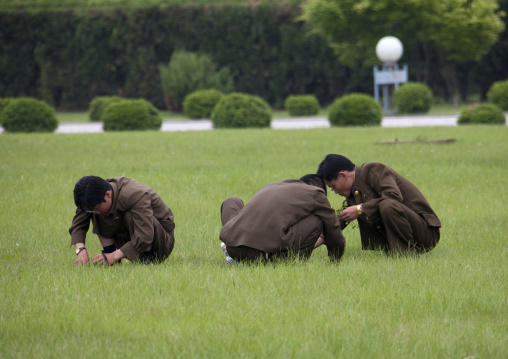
(389,50)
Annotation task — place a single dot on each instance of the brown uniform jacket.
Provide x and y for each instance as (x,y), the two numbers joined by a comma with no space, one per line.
(266,220)
(130,222)
(375,181)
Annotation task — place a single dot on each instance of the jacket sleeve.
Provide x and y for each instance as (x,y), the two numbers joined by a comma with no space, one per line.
(332,233)
(140,221)
(79,226)
(383,182)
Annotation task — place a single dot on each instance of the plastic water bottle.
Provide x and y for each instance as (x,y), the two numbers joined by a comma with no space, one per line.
(228,258)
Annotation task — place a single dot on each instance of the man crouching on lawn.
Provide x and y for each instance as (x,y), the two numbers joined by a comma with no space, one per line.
(284,219)
(130,219)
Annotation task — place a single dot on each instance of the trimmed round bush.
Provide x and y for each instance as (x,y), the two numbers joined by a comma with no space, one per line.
(28,115)
(498,94)
(3,104)
(302,105)
(482,114)
(238,110)
(99,104)
(413,97)
(131,115)
(355,109)
(201,103)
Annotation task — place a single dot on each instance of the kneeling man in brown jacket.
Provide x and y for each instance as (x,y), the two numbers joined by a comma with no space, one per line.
(392,213)
(283,219)
(130,219)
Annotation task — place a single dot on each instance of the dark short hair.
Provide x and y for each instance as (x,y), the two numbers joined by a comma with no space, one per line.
(332,165)
(314,180)
(89,191)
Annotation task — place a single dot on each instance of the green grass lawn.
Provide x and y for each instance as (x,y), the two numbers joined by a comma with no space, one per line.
(448,303)
(447,109)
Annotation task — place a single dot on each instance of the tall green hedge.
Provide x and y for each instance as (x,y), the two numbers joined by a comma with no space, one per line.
(68,58)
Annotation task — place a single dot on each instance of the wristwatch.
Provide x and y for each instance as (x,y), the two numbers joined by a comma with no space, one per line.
(359,209)
(79,250)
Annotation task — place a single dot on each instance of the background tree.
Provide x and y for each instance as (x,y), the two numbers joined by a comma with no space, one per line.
(478,77)
(444,28)
(188,72)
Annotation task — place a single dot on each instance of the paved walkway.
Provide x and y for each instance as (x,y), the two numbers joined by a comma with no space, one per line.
(277,123)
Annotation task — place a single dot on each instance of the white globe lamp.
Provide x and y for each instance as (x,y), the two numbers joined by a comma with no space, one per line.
(389,50)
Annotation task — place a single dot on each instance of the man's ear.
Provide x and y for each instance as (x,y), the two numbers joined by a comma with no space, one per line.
(109,193)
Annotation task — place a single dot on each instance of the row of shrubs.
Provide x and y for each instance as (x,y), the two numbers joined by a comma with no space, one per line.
(239,110)
(201,103)
(410,98)
(33,115)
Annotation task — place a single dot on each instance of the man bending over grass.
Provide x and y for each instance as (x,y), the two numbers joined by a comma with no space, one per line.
(283,219)
(130,219)
(392,213)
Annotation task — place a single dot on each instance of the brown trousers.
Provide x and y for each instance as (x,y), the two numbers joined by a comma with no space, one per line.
(403,230)
(309,229)
(164,239)
(162,245)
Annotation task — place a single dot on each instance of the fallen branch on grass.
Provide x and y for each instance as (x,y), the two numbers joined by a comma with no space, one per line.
(419,139)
